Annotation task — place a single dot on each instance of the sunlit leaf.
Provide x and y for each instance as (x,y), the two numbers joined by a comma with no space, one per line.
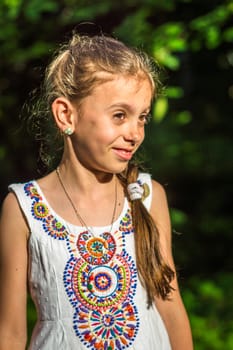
(217,16)
(228,34)
(178,217)
(164,57)
(183,117)
(178,44)
(213,37)
(13,7)
(160,109)
(209,26)
(172,29)
(35,8)
(174,92)
(210,290)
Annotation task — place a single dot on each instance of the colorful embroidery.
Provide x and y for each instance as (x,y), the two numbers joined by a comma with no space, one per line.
(31,191)
(113,328)
(99,287)
(40,211)
(54,228)
(126,223)
(89,247)
(100,279)
(96,250)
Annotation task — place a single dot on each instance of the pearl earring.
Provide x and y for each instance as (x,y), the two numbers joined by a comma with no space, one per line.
(68,131)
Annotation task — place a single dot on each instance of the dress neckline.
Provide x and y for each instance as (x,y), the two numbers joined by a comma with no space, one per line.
(78,228)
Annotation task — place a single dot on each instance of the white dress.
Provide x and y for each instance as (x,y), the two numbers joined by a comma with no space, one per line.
(85,288)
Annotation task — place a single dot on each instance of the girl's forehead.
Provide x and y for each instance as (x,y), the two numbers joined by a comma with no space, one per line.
(119,91)
(138,77)
(125,82)
(110,89)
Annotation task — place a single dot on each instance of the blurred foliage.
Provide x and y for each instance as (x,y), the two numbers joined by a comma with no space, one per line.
(210,307)
(189,141)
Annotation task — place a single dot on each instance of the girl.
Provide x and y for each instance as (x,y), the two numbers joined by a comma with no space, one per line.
(93,236)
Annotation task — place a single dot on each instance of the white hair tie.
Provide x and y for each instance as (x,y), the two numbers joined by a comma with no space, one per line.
(135,191)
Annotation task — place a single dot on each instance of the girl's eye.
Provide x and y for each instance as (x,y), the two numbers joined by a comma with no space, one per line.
(119,116)
(145,118)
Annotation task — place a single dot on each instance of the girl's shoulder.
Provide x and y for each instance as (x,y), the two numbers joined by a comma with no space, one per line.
(158,189)
(22,193)
(11,209)
(21,187)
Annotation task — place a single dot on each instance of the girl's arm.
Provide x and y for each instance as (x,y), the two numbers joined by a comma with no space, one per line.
(13,276)
(172,311)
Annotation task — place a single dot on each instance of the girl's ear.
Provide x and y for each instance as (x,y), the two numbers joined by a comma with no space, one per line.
(64,114)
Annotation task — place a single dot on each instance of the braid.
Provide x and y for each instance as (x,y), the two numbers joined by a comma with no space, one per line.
(155,275)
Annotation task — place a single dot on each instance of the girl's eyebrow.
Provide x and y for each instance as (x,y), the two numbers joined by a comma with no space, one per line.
(127,107)
(122,105)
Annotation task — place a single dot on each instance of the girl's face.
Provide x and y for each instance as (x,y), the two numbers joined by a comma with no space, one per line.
(109,126)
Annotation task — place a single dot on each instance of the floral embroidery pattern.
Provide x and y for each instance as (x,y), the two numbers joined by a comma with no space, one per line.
(113,328)
(54,228)
(96,250)
(99,287)
(40,211)
(31,191)
(100,280)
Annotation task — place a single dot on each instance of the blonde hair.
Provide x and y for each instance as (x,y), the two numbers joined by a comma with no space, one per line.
(75,71)
(79,66)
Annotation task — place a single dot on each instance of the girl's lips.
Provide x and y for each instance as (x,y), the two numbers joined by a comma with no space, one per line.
(123,153)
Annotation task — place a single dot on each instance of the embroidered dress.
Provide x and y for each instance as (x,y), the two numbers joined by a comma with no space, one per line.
(85,287)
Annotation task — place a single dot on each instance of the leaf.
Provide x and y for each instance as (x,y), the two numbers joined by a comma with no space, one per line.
(174,92)
(178,217)
(35,8)
(183,117)
(228,34)
(160,109)
(164,57)
(12,8)
(213,37)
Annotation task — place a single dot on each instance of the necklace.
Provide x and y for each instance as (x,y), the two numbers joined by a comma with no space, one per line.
(89,228)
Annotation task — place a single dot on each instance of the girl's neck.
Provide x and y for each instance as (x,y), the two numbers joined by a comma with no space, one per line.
(84,179)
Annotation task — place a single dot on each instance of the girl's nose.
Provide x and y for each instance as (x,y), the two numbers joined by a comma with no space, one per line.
(134,132)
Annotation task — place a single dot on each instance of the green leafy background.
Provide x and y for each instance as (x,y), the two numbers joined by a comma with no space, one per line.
(189,141)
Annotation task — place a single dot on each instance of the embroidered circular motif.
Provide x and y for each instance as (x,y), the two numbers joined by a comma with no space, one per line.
(102,281)
(114,328)
(100,287)
(40,210)
(96,250)
(54,228)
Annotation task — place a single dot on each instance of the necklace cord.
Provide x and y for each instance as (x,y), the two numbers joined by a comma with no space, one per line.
(75,209)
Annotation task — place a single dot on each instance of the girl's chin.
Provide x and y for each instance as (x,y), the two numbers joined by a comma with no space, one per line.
(118,169)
